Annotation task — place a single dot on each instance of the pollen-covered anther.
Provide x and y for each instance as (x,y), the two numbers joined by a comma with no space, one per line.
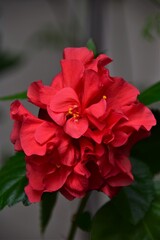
(76,115)
(104,97)
(70,111)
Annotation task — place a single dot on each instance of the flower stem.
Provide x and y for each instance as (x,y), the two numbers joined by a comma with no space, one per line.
(76,216)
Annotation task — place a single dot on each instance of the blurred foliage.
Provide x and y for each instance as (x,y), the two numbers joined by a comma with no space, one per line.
(9,60)
(156,2)
(152,25)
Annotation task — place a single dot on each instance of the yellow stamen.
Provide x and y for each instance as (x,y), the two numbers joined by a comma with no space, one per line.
(104,97)
(73,113)
(70,110)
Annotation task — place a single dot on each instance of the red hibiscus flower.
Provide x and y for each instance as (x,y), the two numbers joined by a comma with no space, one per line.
(87,124)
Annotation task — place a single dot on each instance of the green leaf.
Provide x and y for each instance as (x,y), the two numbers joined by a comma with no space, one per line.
(151,94)
(134,201)
(109,225)
(47,205)
(91,46)
(13,180)
(22,95)
(84,221)
(147,150)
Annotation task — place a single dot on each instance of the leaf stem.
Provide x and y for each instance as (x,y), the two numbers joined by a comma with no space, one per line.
(76,216)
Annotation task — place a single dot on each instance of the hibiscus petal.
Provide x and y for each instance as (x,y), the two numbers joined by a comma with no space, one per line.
(28,142)
(18,111)
(76,128)
(120,93)
(139,116)
(14,137)
(35,175)
(69,158)
(92,88)
(59,118)
(56,180)
(76,185)
(83,54)
(120,180)
(44,132)
(57,82)
(33,195)
(18,114)
(63,100)
(72,71)
(100,61)
(97,109)
(95,112)
(40,94)
(120,138)
(110,191)
(96,135)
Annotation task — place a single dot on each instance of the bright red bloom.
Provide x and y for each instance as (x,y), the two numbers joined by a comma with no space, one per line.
(87,124)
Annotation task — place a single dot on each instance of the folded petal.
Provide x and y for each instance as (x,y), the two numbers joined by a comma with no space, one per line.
(76,127)
(33,195)
(63,100)
(76,185)
(44,132)
(28,137)
(59,118)
(97,111)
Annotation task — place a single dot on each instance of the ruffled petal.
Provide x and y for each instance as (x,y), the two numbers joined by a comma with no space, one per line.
(139,116)
(18,113)
(98,62)
(56,180)
(120,93)
(40,94)
(82,54)
(76,185)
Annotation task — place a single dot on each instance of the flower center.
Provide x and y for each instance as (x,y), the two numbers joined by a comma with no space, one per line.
(73,113)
